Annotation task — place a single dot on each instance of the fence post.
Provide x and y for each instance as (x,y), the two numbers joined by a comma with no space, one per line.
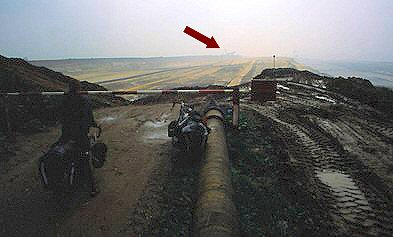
(235,107)
(9,132)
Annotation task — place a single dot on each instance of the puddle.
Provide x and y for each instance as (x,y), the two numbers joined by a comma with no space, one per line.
(133,98)
(325,99)
(350,200)
(157,136)
(157,130)
(282,87)
(155,124)
(336,180)
(107,119)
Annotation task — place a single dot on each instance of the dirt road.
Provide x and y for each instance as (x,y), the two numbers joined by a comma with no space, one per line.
(137,140)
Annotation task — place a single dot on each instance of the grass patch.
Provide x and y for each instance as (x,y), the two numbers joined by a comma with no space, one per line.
(264,201)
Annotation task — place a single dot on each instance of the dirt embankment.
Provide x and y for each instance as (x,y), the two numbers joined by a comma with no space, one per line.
(33,113)
(355,88)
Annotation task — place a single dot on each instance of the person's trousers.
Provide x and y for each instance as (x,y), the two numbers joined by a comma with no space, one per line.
(87,171)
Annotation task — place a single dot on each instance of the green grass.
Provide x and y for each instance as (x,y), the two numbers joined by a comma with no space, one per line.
(264,202)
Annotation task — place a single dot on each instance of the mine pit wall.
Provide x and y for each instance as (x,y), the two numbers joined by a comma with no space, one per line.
(215,213)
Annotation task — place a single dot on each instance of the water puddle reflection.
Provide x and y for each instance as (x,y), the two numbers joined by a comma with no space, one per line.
(350,200)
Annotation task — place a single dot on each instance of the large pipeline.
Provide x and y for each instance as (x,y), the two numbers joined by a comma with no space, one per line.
(215,213)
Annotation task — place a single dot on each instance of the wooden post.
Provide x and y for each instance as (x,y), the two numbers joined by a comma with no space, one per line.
(10,134)
(235,108)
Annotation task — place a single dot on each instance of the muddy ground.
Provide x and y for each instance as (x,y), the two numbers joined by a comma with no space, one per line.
(335,160)
(311,163)
(138,145)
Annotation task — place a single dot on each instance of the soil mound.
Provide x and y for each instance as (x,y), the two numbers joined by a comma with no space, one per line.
(355,88)
(363,91)
(35,112)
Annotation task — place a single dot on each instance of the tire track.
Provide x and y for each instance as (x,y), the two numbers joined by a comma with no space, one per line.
(368,209)
(382,129)
(357,208)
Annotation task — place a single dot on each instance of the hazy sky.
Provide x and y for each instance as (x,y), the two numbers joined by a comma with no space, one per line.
(319,29)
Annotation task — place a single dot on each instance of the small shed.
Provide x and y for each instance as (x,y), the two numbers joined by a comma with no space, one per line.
(263,90)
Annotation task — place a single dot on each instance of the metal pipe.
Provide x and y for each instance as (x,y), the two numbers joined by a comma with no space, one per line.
(215,213)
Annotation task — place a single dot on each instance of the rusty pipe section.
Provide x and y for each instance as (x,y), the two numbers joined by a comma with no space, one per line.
(215,213)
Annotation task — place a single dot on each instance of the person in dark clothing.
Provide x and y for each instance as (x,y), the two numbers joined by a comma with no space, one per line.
(77,118)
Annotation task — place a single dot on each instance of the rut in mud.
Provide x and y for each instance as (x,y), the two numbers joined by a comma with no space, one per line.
(346,156)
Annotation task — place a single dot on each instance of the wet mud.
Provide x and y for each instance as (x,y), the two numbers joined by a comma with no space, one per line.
(345,152)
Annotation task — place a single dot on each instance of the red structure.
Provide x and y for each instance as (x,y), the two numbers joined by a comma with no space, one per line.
(263,90)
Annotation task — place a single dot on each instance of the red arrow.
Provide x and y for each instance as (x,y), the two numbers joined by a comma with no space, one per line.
(210,42)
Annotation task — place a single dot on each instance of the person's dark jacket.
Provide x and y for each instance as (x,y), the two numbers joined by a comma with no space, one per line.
(76,118)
